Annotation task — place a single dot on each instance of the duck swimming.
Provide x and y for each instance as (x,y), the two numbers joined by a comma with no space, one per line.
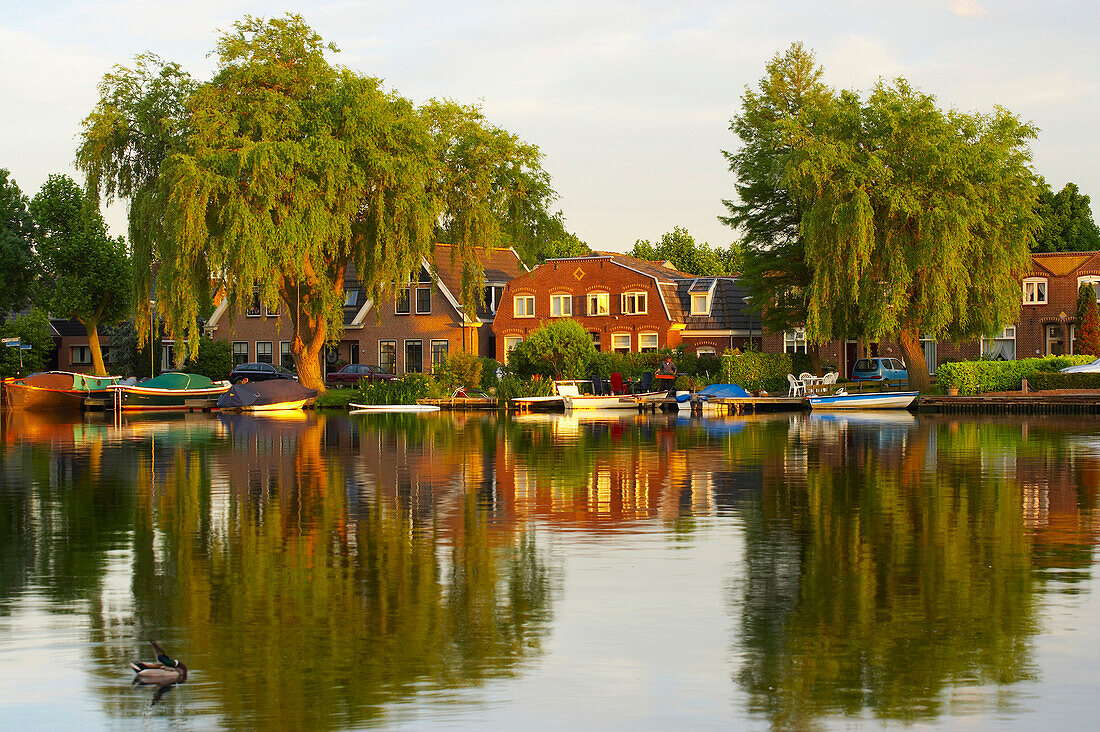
(161,672)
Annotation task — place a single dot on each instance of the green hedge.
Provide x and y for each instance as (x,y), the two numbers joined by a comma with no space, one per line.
(1042,380)
(973,377)
(753,370)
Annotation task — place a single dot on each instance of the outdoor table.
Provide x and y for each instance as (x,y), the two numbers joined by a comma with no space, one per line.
(812,383)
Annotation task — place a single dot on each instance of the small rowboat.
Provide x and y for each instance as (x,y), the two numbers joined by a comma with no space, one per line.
(869,400)
(365,408)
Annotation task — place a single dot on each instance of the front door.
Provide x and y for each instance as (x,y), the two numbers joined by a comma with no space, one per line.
(851,355)
(355,351)
(1056,342)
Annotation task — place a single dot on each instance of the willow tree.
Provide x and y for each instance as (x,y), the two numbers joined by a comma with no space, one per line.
(292,170)
(916,221)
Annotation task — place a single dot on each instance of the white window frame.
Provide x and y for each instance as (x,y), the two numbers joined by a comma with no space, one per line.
(706,351)
(700,303)
(794,341)
(527,310)
(270,352)
(638,303)
(351,298)
(233,351)
(272,313)
(561,306)
(934,349)
(408,302)
(1031,291)
(446,352)
(510,343)
(408,342)
(642,347)
(73,350)
(599,303)
(1093,280)
(616,338)
(1004,335)
(381,363)
(417,303)
(285,352)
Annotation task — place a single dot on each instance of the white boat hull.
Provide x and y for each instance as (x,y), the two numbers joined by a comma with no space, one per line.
(393,407)
(599,402)
(277,407)
(875,400)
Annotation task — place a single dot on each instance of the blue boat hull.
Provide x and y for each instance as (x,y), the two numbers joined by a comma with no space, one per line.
(877,400)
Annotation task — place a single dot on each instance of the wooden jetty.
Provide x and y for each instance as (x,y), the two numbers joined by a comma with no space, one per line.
(731,406)
(1031,403)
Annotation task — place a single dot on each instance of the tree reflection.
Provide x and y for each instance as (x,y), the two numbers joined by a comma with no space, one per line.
(895,566)
(302,612)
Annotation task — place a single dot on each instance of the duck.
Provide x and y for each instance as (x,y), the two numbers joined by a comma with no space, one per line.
(165,670)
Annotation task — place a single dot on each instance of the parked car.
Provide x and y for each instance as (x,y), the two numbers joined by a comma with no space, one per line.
(353,372)
(259,372)
(879,369)
(1086,368)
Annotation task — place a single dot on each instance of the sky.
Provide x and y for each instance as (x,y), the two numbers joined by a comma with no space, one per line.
(629,102)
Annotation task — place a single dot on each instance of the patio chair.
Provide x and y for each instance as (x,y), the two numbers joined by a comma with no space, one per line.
(617,386)
(830,378)
(599,385)
(797,387)
(645,383)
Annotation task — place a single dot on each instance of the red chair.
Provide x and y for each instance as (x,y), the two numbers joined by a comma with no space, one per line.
(617,386)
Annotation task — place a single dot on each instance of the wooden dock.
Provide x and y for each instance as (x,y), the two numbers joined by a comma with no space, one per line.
(731,406)
(1034,403)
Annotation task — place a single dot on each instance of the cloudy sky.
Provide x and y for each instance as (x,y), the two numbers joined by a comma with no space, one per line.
(630,102)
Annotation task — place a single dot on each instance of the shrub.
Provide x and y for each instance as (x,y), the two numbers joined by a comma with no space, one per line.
(405,390)
(214,360)
(753,370)
(490,376)
(972,377)
(512,386)
(31,328)
(1042,380)
(460,369)
(560,348)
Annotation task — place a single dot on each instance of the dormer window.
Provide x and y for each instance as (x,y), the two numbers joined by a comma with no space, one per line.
(1035,291)
(700,303)
(350,298)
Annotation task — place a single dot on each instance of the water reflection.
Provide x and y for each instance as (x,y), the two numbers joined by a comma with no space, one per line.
(321,572)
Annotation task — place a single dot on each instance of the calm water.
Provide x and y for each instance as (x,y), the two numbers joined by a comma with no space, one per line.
(331,572)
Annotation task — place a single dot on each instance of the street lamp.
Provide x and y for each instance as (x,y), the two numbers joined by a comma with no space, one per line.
(152,305)
(745,300)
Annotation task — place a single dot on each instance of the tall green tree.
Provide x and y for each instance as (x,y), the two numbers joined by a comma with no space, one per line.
(87,272)
(1066,221)
(1087,332)
(141,119)
(916,220)
(18,263)
(289,170)
(679,247)
(776,269)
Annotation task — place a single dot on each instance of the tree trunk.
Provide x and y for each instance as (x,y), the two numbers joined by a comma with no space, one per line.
(815,359)
(91,328)
(306,347)
(914,360)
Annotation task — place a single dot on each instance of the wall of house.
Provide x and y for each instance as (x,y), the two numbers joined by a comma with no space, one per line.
(579,278)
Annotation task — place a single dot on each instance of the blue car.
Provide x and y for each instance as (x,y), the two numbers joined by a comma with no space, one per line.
(879,369)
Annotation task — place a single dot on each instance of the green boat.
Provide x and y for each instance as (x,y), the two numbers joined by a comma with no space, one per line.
(171,391)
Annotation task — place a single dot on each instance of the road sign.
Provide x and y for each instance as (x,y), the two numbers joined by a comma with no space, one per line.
(25,347)
(10,341)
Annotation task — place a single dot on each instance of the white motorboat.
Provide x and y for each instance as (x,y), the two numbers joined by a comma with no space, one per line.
(868,400)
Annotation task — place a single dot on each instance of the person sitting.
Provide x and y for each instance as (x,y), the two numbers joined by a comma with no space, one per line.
(666,376)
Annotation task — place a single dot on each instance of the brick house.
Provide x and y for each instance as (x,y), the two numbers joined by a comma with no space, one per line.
(627,305)
(1044,327)
(411,332)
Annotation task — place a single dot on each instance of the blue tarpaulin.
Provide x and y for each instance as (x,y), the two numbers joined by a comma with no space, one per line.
(723,391)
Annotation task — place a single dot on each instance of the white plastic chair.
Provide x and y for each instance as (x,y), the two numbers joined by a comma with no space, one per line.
(797,387)
(830,378)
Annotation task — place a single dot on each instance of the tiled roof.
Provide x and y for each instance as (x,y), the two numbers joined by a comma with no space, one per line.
(500,265)
(67,328)
(727,311)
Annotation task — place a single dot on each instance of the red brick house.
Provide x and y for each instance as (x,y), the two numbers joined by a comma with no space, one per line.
(1044,327)
(627,305)
(411,332)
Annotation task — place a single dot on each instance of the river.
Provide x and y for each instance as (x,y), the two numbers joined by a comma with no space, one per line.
(615,571)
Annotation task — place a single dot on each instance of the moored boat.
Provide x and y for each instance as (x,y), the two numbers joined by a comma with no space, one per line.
(266,396)
(171,391)
(57,390)
(406,408)
(868,400)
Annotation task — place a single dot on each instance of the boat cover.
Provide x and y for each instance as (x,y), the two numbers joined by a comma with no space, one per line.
(723,391)
(262,393)
(175,380)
